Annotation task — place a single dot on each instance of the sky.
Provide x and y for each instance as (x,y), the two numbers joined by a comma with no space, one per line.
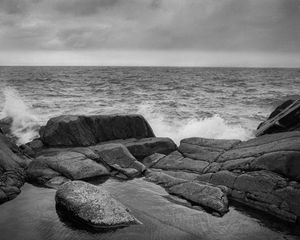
(239,33)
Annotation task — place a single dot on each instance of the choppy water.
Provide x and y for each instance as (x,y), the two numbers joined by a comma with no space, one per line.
(32,216)
(178,102)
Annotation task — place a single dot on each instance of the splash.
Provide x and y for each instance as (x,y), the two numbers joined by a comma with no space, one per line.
(24,123)
(212,127)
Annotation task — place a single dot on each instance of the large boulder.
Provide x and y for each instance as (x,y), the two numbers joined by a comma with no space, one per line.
(78,130)
(92,205)
(12,164)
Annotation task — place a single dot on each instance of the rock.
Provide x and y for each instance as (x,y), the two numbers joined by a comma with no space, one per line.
(290,122)
(206,195)
(115,153)
(163,179)
(128,172)
(70,164)
(152,159)
(93,205)
(147,146)
(183,175)
(76,130)
(275,152)
(83,163)
(12,164)
(176,161)
(55,182)
(5,125)
(205,149)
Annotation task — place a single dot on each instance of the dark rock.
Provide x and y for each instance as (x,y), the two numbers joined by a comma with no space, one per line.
(5,125)
(152,159)
(71,130)
(290,122)
(93,205)
(12,175)
(147,146)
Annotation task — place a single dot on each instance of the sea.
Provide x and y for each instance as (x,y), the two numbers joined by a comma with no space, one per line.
(178,102)
(223,103)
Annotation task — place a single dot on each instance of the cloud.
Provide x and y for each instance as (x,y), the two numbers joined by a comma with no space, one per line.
(172,25)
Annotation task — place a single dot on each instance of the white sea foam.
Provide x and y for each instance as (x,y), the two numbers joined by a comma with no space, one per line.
(24,122)
(212,127)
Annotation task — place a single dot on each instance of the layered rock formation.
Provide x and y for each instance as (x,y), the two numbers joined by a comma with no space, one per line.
(262,172)
(12,164)
(93,146)
(92,205)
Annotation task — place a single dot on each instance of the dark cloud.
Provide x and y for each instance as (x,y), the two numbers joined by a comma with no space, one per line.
(196,25)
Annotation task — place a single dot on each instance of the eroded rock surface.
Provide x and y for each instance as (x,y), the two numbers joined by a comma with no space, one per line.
(93,205)
(262,172)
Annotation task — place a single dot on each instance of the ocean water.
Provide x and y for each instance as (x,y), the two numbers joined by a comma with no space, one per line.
(178,102)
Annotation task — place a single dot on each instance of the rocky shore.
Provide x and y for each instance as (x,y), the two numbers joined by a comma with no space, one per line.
(263,173)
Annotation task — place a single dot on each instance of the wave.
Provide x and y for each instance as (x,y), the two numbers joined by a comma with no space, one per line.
(25,124)
(209,127)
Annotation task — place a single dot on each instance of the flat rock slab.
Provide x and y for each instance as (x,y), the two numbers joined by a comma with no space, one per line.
(93,205)
(70,164)
(205,149)
(79,130)
(176,161)
(84,162)
(206,195)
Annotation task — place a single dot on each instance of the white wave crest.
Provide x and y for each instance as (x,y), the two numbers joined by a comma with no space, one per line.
(212,127)
(24,123)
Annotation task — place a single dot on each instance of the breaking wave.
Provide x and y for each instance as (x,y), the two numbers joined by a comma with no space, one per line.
(210,127)
(24,124)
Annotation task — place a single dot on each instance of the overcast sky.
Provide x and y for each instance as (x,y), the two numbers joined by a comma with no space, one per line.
(150,32)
